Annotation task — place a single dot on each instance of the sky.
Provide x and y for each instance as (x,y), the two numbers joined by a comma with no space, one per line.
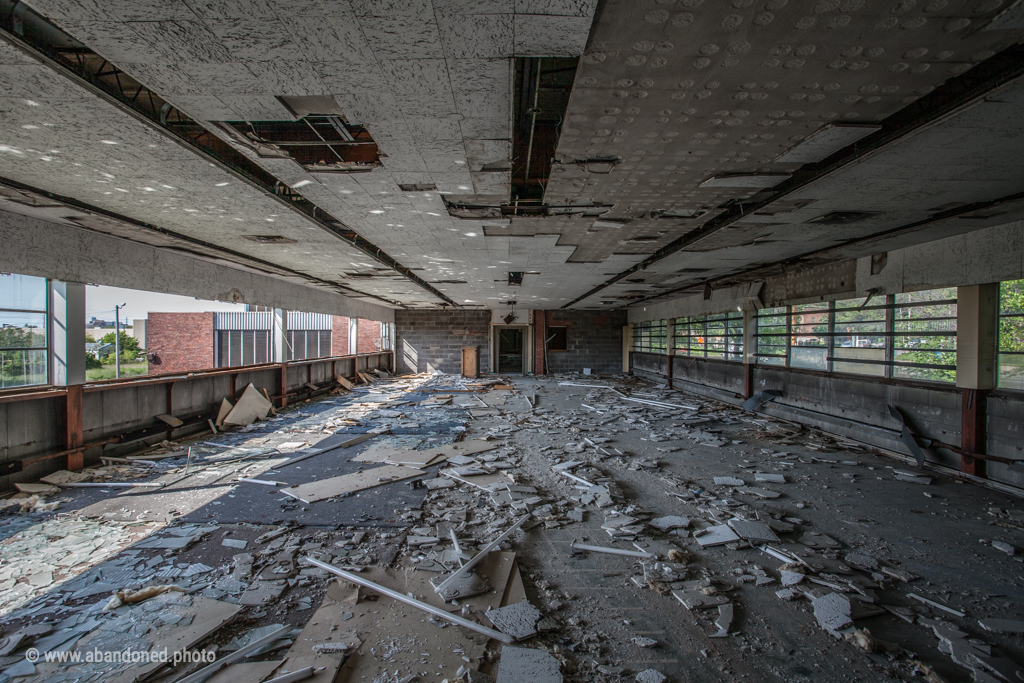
(100,301)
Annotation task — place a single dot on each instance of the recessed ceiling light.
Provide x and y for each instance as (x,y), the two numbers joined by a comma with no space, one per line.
(109,142)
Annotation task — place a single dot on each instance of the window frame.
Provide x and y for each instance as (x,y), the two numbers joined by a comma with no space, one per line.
(47,334)
(889,334)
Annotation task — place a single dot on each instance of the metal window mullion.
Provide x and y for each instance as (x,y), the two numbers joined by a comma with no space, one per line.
(890,328)
(789,334)
(831,335)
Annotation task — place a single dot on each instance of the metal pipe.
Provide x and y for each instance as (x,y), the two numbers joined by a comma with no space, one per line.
(481,555)
(533,125)
(575,478)
(242,653)
(613,551)
(112,484)
(300,675)
(413,602)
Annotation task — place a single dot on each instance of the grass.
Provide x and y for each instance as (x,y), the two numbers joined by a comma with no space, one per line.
(127,370)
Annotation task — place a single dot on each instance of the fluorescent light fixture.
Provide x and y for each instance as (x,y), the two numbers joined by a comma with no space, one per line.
(826,142)
(753,180)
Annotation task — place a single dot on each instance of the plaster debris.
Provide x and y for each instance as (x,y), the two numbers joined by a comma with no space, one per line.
(520,664)
(651,676)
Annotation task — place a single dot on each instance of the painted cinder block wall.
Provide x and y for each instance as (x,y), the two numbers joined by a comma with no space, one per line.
(593,340)
(432,340)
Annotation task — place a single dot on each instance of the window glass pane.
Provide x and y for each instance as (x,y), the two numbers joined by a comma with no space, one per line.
(22,292)
(650,336)
(771,336)
(698,338)
(859,336)
(715,327)
(22,330)
(810,336)
(925,334)
(1011,335)
(734,336)
(19,368)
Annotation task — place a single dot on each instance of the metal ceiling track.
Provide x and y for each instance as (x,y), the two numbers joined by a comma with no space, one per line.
(753,274)
(31,33)
(946,100)
(239,258)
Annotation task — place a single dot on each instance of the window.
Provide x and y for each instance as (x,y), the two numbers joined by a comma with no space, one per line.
(719,335)
(773,336)
(558,339)
(1011,335)
(23,324)
(649,336)
(810,332)
(242,347)
(911,335)
(860,337)
(924,341)
(304,344)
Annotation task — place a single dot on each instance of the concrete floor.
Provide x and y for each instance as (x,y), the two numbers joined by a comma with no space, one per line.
(941,532)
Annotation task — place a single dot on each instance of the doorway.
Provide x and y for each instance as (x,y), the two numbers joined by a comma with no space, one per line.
(510,349)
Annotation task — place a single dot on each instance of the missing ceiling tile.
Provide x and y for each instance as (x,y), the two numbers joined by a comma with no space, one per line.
(269,239)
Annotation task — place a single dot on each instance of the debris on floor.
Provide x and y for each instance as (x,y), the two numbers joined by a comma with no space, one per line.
(435,528)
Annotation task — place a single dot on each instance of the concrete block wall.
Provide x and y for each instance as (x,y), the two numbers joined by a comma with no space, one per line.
(593,340)
(182,342)
(432,340)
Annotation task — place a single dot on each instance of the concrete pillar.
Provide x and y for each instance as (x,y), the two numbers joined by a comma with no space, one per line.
(627,346)
(353,336)
(67,333)
(977,341)
(977,321)
(280,335)
(749,351)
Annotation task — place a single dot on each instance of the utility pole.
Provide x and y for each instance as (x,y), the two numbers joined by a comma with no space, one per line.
(117,340)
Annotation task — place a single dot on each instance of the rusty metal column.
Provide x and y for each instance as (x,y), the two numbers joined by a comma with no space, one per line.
(977,320)
(74,432)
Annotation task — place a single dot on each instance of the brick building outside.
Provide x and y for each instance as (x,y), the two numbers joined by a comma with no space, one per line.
(188,342)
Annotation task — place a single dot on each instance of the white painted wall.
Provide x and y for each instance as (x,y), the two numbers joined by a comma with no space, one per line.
(41,248)
(987,255)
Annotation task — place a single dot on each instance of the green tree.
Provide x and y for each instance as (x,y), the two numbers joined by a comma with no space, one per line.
(129,346)
(92,362)
(934,349)
(1011,328)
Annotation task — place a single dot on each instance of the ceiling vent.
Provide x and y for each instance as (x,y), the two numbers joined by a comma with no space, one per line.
(269,239)
(843,217)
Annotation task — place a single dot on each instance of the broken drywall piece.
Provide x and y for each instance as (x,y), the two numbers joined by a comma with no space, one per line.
(350,483)
(252,406)
(38,489)
(729,481)
(788,578)
(753,531)
(670,522)
(519,664)
(518,620)
(770,478)
(759,399)
(833,612)
(345,383)
(64,477)
(715,535)
(225,409)
(766,494)
(1002,625)
(907,437)
(170,420)
(724,621)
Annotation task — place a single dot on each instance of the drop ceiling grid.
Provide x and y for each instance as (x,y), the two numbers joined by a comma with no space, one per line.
(73,156)
(739,79)
(924,184)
